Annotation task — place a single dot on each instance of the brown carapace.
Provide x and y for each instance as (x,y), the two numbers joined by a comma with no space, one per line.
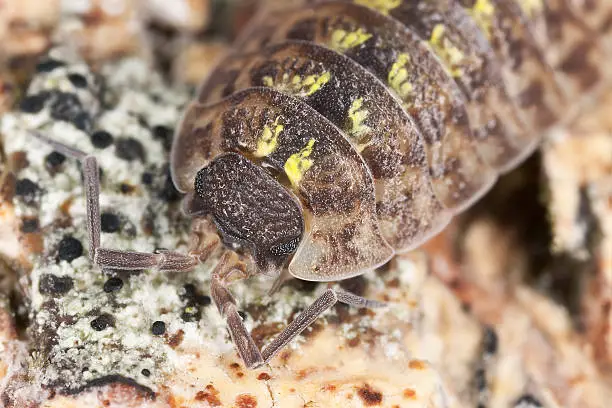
(342,132)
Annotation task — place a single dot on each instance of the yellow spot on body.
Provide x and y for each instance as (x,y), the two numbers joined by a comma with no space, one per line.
(357,115)
(268,81)
(296,85)
(398,76)
(343,40)
(315,82)
(483,13)
(446,50)
(268,142)
(531,7)
(298,163)
(384,6)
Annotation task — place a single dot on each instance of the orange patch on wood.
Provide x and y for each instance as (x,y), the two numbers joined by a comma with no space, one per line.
(354,342)
(172,401)
(175,340)
(33,243)
(264,377)
(18,161)
(329,387)
(305,372)
(417,365)
(210,395)
(246,401)
(369,395)
(263,332)
(409,393)
(7,187)
(66,205)
(285,355)
(122,394)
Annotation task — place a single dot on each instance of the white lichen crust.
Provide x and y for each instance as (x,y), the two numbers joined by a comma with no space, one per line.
(90,327)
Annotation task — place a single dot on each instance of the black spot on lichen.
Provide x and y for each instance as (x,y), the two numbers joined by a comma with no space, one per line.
(126,188)
(146,372)
(109,222)
(480,379)
(113,284)
(129,149)
(26,190)
(101,139)
(147,178)
(188,291)
(142,121)
(82,121)
(102,322)
(48,65)
(29,225)
(78,80)
(490,341)
(158,328)
(55,285)
(193,299)
(164,134)
(34,103)
(191,314)
(67,107)
(203,300)
(54,160)
(69,249)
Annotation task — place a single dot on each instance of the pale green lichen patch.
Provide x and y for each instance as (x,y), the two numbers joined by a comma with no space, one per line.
(73,347)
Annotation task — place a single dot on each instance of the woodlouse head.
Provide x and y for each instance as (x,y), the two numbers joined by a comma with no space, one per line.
(250,209)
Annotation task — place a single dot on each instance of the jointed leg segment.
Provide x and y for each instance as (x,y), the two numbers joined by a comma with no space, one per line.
(112,258)
(243,340)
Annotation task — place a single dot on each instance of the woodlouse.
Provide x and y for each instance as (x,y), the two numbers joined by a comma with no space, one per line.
(342,132)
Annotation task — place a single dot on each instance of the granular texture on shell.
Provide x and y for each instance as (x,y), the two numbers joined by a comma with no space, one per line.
(249,206)
(437,97)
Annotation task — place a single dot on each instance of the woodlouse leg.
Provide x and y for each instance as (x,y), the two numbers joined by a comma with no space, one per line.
(168,261)
(111,258)
(247,349)
(92,188)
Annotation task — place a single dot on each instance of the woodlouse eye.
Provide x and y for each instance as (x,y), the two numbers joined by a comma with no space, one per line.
(285,248)
(250,209)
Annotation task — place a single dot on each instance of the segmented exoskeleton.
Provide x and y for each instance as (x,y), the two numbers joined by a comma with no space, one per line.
(436,96)
(340,133)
